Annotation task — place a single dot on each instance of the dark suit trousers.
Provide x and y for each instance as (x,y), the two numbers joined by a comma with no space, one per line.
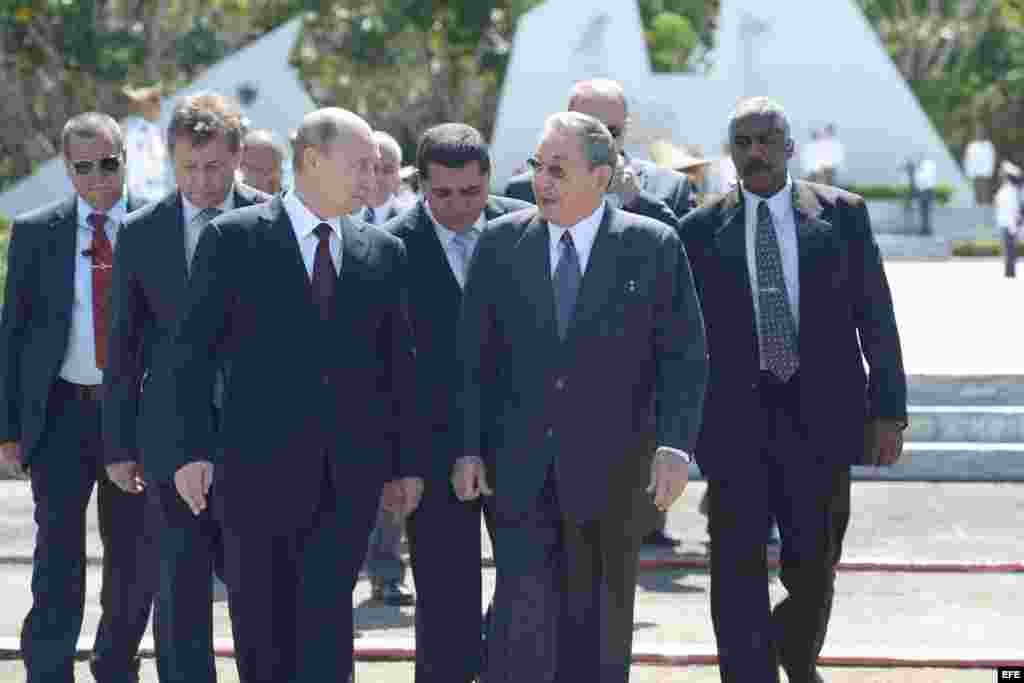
(811,502)
(444,544)
(190,550)
(290,595)
(563,607)
(68,462)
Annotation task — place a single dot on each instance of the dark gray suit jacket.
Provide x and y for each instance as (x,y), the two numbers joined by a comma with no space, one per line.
(150,277)
(629,375)
(434,302)
(39,294)
(845,310)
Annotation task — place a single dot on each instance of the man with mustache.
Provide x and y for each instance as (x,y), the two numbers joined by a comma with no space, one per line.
(794,296)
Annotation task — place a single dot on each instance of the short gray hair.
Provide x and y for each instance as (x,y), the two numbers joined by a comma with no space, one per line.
(759,106)
(90,125)
(266,138)
(597,143)
(319,129)
(601,87)
(384,140)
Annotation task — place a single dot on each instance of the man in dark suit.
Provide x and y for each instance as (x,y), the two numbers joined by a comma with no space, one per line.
(794,295)
(640,186)
(605,100)
(440,233)
(53,337)
(306,308)
(584,367)
(154,254)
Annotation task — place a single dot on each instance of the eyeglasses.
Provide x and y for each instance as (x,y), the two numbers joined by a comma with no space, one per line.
(107,166)
(554,170)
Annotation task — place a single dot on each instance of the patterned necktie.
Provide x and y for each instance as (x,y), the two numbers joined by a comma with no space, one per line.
(778,327)
(371,216)
(199,223)
(463,246)
(568,276)
(102,255)
(324,274)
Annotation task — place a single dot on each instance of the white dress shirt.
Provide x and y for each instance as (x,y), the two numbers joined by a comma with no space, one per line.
(79,365)
(447,237)
(193,231)
(304,224)
(784,220)
(583,235)
(148,171)
(380,213)
(1008,208)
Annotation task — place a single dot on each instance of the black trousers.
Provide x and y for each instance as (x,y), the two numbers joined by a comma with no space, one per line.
(1009,253)
(445,549)
(563,607)
(290,595)
(810,500)
(64,469)
(190,550)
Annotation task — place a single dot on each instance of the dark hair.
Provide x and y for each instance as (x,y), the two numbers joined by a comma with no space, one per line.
(203,117)
(453,145)
(89,125)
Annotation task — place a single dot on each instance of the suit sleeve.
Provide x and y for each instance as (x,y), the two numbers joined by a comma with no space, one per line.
(680,351)
(122,377)
(876,322)
(16,314)
(202,334)
(406,426)
(476,350)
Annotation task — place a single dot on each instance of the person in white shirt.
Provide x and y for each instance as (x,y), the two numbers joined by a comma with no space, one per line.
(980,166)
(149,173)
(926,178)
(831,155)
(382,206)
(1009,203)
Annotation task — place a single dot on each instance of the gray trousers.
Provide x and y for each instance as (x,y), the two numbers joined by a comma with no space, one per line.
(384,553)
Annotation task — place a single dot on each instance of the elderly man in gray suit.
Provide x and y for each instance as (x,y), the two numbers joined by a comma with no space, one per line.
(584,367)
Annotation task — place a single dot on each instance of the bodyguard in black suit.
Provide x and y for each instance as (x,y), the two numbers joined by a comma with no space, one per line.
(440,233)
(53,337)
(305,306)
(794,298)
(584,368)
(154,254)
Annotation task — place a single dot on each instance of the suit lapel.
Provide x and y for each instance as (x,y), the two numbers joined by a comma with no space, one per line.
(355,248)
(731,242)
(65,237)
(600,277)
(535,249)
(282,236)
(815,247)
(437,261)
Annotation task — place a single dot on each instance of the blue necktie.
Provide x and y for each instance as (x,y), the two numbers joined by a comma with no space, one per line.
(779,346)
(568,276)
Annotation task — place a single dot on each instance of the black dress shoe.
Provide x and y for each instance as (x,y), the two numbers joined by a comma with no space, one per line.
(393,593)
(658,538)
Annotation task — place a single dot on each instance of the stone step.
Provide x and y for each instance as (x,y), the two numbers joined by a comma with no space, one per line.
(952,461)
(965,390)
(974,424)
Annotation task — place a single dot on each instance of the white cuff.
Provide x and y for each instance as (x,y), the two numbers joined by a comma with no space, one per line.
(673,452)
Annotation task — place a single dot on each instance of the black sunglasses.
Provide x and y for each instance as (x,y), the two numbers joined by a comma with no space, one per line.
(108,166)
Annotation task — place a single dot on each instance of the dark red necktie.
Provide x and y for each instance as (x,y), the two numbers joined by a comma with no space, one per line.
(102,263)
(324,274)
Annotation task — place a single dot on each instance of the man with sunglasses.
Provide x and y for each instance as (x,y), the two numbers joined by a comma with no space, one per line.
(440,233)
(638,186)
(54,335)
(154,258)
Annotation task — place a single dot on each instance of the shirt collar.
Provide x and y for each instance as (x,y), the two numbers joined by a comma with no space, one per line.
(191,211)
(116,213)
(584,232)
(445,234)
(778,203)
(304,221)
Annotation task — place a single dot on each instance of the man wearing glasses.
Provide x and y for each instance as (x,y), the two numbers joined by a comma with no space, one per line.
(638,185)
(53,334)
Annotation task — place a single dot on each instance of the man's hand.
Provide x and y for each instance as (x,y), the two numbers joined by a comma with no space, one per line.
(127,476)
(888,441)
(193,484)
(10,456)
(669,476)
(469,478)
(625,183)
(402,496)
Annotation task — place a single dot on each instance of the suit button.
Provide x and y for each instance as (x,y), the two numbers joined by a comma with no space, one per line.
(550,432)
(560,383)
(326,379)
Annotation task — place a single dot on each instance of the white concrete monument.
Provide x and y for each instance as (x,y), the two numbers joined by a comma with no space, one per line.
(258,76)
(823,62)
